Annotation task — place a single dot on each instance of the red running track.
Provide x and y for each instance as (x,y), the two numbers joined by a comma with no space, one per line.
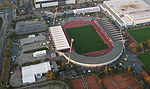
(78,23)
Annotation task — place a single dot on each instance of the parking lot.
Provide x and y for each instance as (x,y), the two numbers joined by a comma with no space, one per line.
(30,27)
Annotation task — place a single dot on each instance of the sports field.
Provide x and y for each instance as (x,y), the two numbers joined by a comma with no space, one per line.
(86,39)
(141,35)
(145,60)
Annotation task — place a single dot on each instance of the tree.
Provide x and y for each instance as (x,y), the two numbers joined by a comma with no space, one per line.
(141,45)
(134,50)
(9,43)
(106,70)
(22,2)
(93,70)
(7,52)
(129,68)
(132,45)
(62,64)
(148,79)
(84,5)
(1,5)
(148,44)
(144,74)
(71,6)
(49,74)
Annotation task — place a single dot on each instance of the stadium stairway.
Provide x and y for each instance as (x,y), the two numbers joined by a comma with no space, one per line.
(110,29)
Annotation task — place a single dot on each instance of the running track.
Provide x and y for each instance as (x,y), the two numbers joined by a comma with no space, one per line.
(78,23)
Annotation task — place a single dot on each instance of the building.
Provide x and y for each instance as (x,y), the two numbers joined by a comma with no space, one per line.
(86,10)
(39,53)
(83,1)
(59,38)
(30,39)
(30,73)
(49,3)
(128,12)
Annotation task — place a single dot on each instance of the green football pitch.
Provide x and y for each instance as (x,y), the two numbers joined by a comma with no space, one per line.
(86,39)
(145,60)
(140,35)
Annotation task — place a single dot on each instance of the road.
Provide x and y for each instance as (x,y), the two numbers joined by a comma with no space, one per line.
(7,15)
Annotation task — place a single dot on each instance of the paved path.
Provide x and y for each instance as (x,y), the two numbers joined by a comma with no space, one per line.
(42,83)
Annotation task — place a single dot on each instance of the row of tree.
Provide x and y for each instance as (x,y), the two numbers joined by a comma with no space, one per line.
(7,60)
(146,77)
(140,47)
(7,3)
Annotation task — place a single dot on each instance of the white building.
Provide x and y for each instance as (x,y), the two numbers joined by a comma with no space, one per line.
(49,3)
(59,38)
(86,10)
(39,53)
(128,12)
(29,73)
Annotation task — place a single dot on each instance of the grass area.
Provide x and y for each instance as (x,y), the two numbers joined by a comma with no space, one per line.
(141,35)
(1,22)
(86,39)
(145,58)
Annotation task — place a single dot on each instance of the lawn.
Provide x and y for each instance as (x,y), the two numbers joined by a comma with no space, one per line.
(141,35)
(145,58)
(86,39)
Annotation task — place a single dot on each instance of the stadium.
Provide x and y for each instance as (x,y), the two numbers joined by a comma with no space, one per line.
(96,42)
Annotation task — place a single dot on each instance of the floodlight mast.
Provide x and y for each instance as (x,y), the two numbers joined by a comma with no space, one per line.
(55,16)
(72,40)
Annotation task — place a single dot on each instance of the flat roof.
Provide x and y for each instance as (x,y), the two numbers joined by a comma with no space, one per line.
(87,10)
(42,0)
(59,38)
(29,72)
(129,11)
(49,4)
(32,39)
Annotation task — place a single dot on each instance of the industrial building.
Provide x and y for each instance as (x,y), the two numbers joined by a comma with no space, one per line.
(49,3)
(128,12)
(30,73)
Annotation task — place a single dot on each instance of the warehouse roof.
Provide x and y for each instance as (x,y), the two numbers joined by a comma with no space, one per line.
(130,11)
(59,38)
(29,72)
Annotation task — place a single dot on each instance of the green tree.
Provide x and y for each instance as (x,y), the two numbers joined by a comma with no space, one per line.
(9,43)
(7,52)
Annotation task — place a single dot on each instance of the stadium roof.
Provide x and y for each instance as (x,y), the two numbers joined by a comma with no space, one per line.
(59,38)
(86,10)
(29,72)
